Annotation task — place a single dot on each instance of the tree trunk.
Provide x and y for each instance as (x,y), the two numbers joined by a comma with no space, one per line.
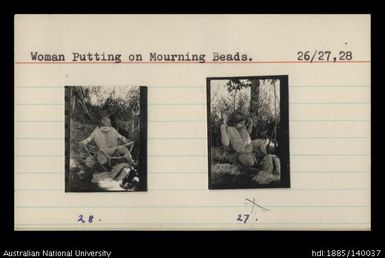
(235,99)
(254,103)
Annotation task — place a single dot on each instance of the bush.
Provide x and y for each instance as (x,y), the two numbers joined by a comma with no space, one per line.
(258,104)
(121,104)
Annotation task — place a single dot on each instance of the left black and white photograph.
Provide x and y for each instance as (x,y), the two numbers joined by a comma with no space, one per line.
(105,138)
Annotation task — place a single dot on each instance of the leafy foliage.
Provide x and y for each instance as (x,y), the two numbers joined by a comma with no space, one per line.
(89,104)
(266,114)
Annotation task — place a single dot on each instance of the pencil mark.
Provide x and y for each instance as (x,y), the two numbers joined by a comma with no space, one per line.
(256,205)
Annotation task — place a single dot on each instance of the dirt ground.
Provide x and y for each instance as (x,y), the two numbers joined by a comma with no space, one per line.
(226,172)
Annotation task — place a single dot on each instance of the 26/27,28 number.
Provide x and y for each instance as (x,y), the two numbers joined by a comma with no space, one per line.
(324,55)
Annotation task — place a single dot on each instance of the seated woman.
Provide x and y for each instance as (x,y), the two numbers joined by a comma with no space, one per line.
(106,138)
(235,135)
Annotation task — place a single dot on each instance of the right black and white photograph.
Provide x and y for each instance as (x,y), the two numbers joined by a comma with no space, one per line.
(248,132)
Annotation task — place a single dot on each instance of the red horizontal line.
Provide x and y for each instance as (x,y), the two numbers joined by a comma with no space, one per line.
(189,62)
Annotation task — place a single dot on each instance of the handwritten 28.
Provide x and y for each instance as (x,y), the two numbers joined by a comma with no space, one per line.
(82,219)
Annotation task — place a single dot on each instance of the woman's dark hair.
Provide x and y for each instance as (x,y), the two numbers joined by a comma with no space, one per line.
(236,117)
(105,121)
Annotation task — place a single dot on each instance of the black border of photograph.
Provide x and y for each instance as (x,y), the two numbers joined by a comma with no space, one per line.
(282,151)
(136,178)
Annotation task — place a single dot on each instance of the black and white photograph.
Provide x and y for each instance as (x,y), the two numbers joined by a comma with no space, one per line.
(248,132)
(106,138)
